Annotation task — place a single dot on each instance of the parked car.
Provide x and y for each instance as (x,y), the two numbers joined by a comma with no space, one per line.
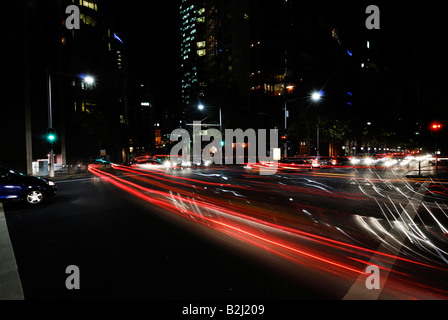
(15,185)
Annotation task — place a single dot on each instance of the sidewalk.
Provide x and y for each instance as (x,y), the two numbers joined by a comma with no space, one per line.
(59,176)
(10,283)
(439,172)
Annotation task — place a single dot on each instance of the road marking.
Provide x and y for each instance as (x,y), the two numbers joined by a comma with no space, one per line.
(10,284)
(359,291)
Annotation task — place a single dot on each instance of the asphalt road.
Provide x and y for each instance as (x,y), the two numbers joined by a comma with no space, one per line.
(228,233)
(125,249)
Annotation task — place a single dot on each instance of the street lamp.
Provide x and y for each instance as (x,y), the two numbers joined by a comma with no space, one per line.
(51,138)
(202,107)
(314,97)
(89,80)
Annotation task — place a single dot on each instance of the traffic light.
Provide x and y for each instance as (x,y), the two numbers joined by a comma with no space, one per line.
(51,136)
(284,138)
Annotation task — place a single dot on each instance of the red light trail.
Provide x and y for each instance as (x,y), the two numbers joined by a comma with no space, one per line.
(280,235)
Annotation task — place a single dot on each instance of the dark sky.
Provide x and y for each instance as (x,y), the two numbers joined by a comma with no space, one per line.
(149,30)
(413,39)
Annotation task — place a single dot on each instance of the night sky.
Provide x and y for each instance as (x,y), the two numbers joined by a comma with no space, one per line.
(412,37)
(149,30)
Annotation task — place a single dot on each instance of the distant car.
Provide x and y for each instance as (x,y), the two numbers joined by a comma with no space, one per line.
(296,161)
(340,161)
(393,161)
(201,163)
(32,190)
(364,159)
(149,162)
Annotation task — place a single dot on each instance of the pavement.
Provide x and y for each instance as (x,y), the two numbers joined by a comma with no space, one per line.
(429,172)
(10,283)
(68,176)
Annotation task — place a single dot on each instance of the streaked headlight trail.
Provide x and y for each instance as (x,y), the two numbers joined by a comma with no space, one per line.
(287,231)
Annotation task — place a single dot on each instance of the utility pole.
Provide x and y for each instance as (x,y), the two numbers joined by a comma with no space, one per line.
(27,83)
(50,126)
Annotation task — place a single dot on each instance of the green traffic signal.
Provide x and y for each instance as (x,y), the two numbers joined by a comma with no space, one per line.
(51,136)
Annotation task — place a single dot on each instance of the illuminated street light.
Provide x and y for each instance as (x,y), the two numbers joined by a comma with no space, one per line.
(202,107)
(316,96)
(89,80)
(51,137)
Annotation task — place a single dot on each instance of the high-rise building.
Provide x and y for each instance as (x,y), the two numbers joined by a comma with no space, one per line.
(88,69)
(100,108)
(261,62)
(213,53)
(249,57)
(193,50)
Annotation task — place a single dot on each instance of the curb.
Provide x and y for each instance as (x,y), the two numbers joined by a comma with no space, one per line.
(10,283)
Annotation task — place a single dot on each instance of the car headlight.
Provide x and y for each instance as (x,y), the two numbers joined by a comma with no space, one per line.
(186,164)
(207,163)
(50,183)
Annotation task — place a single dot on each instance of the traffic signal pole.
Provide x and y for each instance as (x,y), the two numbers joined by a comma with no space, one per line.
(50,127)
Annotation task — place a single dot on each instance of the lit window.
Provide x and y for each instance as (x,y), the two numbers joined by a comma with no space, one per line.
(201,44)
(200,19)
(88,4)
(201,52)
(87,20)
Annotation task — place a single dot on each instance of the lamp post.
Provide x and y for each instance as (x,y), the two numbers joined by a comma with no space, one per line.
(314,97)
(51,136)
(202,107)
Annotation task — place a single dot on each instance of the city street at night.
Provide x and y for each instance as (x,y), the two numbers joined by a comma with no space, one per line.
(225,232)
(224,158)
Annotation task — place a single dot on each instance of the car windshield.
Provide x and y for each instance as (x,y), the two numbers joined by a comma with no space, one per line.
(7,171)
